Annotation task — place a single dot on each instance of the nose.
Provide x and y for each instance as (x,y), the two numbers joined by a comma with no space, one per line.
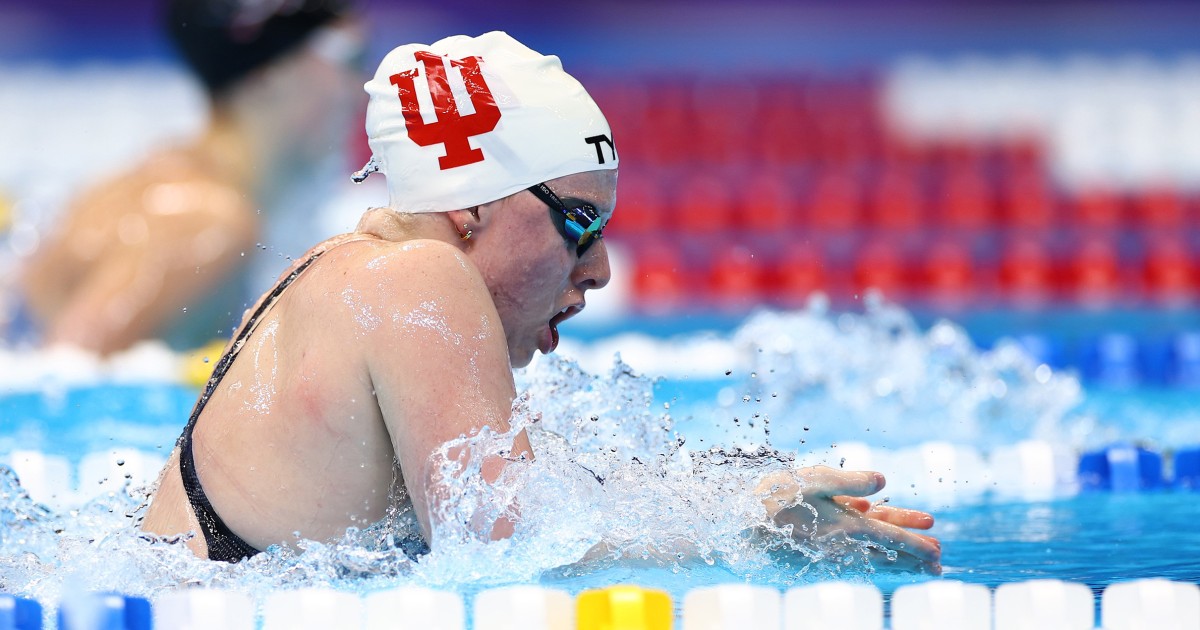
(592,270)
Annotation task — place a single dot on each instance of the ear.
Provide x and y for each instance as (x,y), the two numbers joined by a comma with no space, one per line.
(474,219)
(463,221)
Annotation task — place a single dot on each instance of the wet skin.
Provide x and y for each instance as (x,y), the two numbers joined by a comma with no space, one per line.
(396,340)
(401,337)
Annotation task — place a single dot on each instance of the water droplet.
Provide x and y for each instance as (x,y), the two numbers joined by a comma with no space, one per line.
(120,462)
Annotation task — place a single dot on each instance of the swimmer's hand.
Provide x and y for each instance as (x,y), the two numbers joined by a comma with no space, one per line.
(821,502)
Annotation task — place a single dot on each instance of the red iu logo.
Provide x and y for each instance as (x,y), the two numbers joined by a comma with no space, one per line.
(452,129)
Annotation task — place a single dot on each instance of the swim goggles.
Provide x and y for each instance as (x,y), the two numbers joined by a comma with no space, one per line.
(581,225)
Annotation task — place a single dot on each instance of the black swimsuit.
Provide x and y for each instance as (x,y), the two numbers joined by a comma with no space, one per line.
(223,544)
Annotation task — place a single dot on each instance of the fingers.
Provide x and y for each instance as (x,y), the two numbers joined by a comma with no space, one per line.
(901,517)
(825,481)
(904,562)
(888,547)
(927,549)
(854,503)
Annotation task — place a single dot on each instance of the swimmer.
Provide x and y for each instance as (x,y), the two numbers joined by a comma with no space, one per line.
(135,252)
(382,345)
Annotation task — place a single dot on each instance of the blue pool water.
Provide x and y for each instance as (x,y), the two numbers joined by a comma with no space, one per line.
(809,383)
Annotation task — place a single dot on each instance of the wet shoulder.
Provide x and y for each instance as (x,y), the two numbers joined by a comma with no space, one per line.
(375,280)
(366,259)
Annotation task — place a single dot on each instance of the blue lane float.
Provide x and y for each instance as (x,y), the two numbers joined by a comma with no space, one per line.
(1114,360)
(17,613)
(104,611)
(1121,468)
(1187,469)
(1183,360)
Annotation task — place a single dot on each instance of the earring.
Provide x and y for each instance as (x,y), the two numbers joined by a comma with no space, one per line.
(467,235)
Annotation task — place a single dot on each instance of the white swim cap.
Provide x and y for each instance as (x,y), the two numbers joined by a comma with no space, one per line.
(468,120)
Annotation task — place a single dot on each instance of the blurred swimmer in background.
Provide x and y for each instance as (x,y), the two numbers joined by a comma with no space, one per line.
(160,251)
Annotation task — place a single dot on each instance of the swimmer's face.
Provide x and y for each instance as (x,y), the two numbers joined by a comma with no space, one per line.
(536,277)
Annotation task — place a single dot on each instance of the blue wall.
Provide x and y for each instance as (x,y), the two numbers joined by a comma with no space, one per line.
(706,34)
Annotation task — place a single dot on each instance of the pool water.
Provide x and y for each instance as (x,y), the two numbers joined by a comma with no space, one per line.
(678,453)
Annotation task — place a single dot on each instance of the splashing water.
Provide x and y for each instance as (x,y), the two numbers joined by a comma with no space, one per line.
(813,377)
(614,483)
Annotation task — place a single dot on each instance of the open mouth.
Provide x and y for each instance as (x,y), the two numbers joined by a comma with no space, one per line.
(566,313)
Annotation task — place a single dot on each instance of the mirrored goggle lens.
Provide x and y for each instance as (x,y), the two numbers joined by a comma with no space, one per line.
(583,227)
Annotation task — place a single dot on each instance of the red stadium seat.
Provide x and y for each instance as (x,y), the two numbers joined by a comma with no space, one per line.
(1027,272)
(844,118)
(625,104)
(768,204)
(1169,270)
(834,202)
(667,123)
(895,199)
(736,278)
(1097,208)
(959,153)
(1095,271)
(1028,200)
(1024,151)
(661,279)
(880,265)
(799,273)
(895,148)
(641,207)
(703,204)
(784,132)
(725,115)
(1160,208)
(965,200)
(948,274)
(842,137)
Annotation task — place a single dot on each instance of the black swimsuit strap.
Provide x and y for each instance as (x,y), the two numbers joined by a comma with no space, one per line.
(223,544)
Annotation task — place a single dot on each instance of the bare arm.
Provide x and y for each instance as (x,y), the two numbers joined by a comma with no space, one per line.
(439,365)
(157,257)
